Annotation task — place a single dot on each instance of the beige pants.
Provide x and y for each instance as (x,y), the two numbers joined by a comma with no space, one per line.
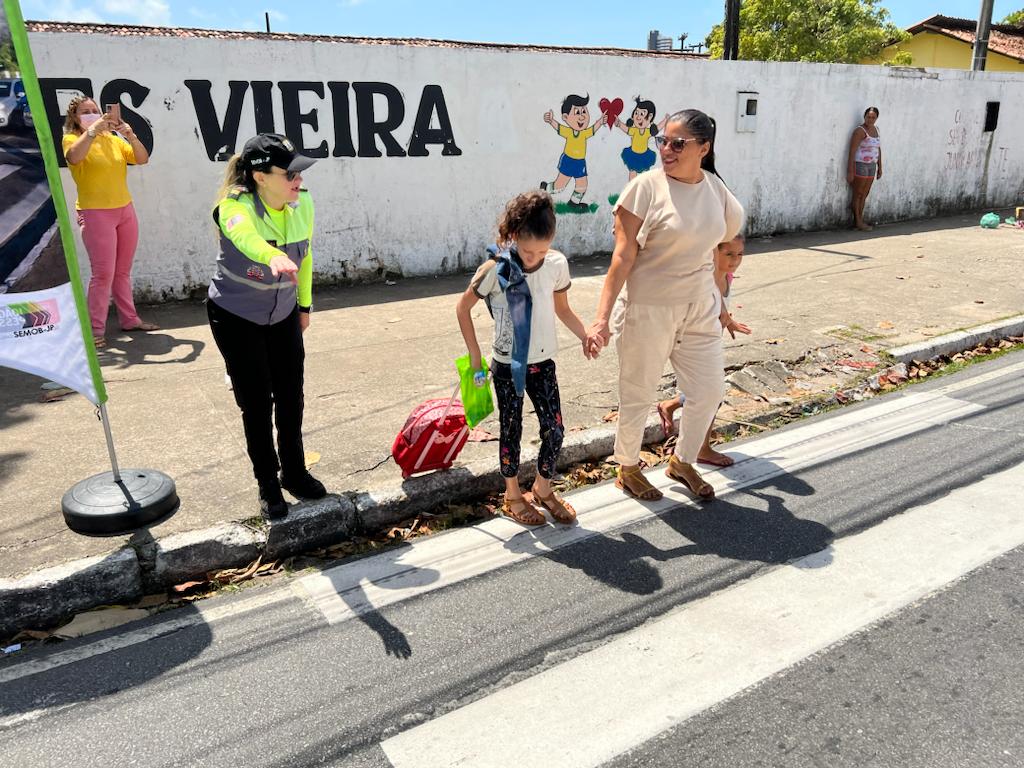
(690,337)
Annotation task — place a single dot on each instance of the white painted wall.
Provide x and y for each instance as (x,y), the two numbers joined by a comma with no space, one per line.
(427,215)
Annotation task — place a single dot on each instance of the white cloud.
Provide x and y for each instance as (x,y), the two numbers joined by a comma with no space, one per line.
(148,12)
(64,10)
(156,13)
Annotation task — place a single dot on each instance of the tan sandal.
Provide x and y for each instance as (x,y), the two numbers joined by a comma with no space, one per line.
(559,508)
(632,481)
(690,477)
(142,328)
(99,342)
(527,513)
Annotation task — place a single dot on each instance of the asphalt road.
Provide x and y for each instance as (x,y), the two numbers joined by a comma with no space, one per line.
(855,599)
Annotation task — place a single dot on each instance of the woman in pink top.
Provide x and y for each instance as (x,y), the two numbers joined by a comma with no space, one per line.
(668,222)
(864,164)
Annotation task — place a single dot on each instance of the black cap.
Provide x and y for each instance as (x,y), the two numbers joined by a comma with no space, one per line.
(267,149)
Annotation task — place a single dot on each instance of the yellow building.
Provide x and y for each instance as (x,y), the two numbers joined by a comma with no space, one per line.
(943,41)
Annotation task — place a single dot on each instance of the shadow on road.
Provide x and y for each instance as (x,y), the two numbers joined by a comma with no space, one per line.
(764,531)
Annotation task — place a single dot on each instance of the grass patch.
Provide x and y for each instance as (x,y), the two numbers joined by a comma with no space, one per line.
(566,208)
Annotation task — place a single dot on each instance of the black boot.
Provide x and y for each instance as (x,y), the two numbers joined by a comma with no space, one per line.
(303,485)
(272,503)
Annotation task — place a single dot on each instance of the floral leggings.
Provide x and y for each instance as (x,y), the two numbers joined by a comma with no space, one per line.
(542,387)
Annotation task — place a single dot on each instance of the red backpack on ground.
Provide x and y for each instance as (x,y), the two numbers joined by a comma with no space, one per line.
(432,437)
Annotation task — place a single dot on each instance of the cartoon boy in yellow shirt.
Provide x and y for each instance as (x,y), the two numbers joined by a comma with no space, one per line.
(573,162)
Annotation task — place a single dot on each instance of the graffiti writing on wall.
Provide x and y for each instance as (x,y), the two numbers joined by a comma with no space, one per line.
(380,111)
(960,154)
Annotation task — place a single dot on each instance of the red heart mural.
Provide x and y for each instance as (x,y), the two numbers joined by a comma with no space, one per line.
(611,109)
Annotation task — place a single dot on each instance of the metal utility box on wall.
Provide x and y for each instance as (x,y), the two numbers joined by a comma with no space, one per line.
(746,112)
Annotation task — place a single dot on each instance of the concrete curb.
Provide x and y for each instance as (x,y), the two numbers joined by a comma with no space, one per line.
(149,565)
(47,596)
(951,343)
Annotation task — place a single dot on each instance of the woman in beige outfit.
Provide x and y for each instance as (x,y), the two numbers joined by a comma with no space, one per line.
(668,222)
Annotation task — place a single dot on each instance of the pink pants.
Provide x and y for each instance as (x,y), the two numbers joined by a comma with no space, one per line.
(110,236)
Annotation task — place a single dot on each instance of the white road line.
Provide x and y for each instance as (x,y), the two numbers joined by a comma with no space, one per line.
(355,588)
(652,678)
(203,614)
(7,169)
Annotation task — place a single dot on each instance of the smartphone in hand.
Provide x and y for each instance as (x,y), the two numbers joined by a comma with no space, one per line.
(114,111)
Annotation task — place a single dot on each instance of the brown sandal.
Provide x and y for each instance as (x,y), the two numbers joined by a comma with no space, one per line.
(99,342)
(688,476)
(559,508)
(527,513)
(632,481)
(142,328)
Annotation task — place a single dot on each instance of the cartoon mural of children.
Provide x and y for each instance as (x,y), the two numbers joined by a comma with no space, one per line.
(573,162)
(639,156)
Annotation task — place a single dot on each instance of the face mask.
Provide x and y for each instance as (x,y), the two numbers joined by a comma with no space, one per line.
(87,120)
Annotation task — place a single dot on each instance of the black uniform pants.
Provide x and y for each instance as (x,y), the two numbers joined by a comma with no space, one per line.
(265,363)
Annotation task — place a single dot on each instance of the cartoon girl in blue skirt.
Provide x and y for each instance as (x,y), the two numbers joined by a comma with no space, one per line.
(639,156)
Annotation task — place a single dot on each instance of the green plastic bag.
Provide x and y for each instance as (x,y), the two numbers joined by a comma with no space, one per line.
(477,403)
(990,221)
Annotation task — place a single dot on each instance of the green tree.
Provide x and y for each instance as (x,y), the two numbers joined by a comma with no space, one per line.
(847,31)
(7,60)
(1017,17)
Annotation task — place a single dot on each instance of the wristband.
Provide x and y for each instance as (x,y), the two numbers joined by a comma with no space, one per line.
(92,132)
(306,310)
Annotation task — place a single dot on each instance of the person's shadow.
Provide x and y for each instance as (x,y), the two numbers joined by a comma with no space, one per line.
(149,349)
(354,596)
(621,563)
(723,527)
(729,529)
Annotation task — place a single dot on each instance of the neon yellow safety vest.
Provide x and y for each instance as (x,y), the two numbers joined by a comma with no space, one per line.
(249,238)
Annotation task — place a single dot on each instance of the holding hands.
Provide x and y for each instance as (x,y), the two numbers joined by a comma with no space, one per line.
(597,337)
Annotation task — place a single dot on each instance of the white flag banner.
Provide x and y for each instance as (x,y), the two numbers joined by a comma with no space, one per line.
(40,333)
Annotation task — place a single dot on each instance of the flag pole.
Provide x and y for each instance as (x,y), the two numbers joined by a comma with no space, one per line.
(115,470)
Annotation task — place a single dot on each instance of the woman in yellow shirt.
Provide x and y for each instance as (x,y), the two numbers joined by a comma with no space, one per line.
(99,148)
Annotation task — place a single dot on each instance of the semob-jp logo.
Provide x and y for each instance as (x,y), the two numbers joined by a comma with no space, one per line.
(29,318)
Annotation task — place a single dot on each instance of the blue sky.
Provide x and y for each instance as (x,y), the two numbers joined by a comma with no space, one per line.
(542,22)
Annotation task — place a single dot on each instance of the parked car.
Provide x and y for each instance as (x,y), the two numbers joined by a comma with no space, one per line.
(14,112)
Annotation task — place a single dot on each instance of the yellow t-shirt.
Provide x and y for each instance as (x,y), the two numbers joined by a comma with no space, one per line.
(641,139)
(102,177)
(575,141)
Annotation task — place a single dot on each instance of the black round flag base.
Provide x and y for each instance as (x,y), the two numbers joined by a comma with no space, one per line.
(99,506)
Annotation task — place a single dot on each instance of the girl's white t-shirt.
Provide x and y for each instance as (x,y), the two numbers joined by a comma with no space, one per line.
(682,225)
(544,281)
